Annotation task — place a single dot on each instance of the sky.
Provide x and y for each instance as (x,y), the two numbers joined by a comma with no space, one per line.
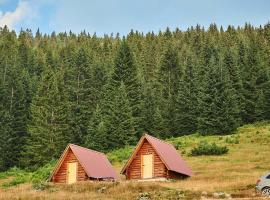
(120,16)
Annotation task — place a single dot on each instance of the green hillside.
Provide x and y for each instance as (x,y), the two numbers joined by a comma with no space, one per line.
(234,173)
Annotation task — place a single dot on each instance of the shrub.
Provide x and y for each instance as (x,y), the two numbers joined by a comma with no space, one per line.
(177,144)
(21,176)
(120,155)
(205,148)
(40,186)
(42,173)
(232,140)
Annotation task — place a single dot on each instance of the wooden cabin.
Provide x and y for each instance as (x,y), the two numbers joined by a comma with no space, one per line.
(155,159)
(81,164)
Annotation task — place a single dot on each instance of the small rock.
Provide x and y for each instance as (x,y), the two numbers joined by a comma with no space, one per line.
(216,195)
(228,196)
(204,193)
(221,195)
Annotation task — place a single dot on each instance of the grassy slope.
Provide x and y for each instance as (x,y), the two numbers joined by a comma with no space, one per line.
(234,173)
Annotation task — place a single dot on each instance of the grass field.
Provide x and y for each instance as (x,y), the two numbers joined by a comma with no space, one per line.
(234,173)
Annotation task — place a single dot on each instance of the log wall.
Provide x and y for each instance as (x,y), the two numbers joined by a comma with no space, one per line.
(61,175)
(134,170)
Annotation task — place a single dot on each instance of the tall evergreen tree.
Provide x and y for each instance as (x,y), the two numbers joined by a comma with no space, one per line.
(48,129)
(96,137)
(120,122)
(219,113)
(80,78)
(169,79)
(187,102)
(254,76)
(125,72)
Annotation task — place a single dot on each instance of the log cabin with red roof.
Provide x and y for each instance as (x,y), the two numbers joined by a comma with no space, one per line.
(155,159)
(81,164)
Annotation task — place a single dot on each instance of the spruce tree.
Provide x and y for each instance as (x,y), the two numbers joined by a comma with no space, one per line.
(96,137)
(218,110)
(125,72)
(48,129)
(187,102)
(254,76)
(149,107)
(169,79)
(81,97)
(120,122)
(5,133)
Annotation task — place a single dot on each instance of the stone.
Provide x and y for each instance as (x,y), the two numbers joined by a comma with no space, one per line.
(216,195)
(204,193)
(228,196)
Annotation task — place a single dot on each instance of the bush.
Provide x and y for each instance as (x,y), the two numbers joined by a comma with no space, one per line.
(42,173)
(120,155)
(21,176)
(205,148)
(232,140)
(40,186)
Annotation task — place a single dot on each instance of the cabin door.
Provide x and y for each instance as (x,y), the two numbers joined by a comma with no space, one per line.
(147,166)
(72,172)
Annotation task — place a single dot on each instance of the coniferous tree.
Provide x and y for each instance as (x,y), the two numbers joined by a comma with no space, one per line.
(80,78)
(5,133)
(187,102)
(125,72)
(48,129)
(169,79)
(149,109)
(254,76)
(120,123)
(97,133)
(218,110)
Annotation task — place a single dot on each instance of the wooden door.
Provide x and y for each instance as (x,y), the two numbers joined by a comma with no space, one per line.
(147,166)
(72,172)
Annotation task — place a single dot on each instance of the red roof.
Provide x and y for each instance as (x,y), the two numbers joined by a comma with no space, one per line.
(167,153)
(94,163)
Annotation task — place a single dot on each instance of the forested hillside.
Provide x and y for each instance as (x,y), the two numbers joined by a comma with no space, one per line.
(104,92)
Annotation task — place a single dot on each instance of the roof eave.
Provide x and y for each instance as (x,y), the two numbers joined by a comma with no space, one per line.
(133,153)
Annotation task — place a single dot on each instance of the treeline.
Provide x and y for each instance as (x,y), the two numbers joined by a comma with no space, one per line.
(104,92)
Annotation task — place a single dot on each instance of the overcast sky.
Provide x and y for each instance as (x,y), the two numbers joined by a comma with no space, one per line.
(107,16)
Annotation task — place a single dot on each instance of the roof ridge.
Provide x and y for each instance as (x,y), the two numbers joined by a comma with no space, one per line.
(87,149)
(158,139)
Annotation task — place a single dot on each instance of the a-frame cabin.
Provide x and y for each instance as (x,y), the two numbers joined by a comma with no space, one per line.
(81,164)
(154,158)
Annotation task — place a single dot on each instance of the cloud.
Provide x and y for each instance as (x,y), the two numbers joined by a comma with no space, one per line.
(22,12)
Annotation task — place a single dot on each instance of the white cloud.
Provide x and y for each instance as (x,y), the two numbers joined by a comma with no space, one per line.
(21,13)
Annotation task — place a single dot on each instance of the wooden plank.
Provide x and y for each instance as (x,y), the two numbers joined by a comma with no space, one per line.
(61,175)
(134,170)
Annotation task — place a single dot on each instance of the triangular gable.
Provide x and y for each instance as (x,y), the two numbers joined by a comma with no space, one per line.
(130,159)
(60,161)
(183,169)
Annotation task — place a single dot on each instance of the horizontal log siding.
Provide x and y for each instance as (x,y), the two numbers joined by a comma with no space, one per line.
(61,174)
(134,169)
